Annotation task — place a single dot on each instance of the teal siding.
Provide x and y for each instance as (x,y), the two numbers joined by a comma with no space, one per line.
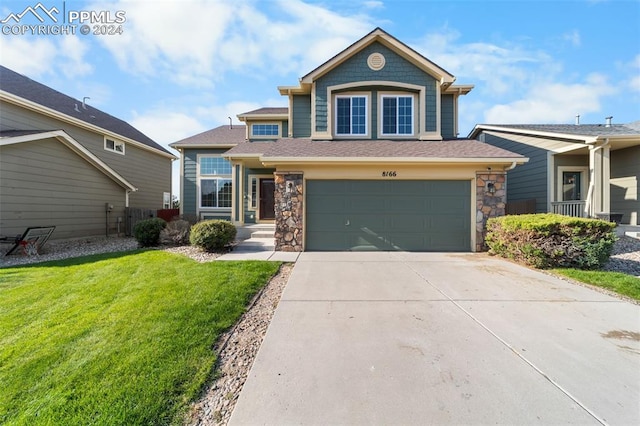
(285,129)
(396,69)
(447,117)
(301,116)
(526,181)
(190,178)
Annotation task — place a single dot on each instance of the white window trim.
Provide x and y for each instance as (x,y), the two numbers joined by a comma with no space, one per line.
(200,177)
(367,114)
(116,143)
(584,180)
(414,114)
(276,123)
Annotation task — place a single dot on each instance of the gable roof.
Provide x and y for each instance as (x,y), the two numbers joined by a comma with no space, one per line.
(218,137)
(448,151)
(12,137)
(18,88)
(581,130)
(565,137)
(265,113)
(445,78)
(381,36)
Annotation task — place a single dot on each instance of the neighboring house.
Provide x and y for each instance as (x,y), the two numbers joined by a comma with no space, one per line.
(589,170)
(365,157)
(64,163)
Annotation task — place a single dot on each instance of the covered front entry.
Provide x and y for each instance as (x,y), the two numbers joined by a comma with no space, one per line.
(411,215)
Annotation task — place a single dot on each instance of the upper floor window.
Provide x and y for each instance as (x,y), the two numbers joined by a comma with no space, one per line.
(397,115)
(214,166)
(351,115)
(258,130)
(114,145)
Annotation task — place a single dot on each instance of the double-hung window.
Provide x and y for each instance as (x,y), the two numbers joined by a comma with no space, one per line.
(351,115)
(215,182)
(397,115)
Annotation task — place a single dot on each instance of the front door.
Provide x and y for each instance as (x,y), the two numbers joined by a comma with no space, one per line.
(267,190)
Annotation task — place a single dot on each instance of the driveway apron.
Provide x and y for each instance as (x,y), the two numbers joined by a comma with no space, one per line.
(417,338)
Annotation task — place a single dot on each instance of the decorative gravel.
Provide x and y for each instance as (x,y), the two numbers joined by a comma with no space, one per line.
(625,257)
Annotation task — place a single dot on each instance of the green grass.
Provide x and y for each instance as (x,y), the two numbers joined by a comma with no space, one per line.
(620,283)
(115,338)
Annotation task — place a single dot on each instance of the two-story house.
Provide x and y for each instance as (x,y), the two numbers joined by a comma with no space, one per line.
(365,157)
(66,164)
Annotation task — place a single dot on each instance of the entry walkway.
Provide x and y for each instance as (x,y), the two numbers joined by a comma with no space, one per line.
(436,338)
(259,249)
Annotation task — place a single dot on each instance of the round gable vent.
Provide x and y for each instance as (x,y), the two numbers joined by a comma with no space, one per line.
(376,61)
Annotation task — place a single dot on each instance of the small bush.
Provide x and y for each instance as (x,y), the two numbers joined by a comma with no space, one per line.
(551,240)
(212,235)
(176,233)
(147,232)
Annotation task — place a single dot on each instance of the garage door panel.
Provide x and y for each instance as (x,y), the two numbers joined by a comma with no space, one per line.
(388,215)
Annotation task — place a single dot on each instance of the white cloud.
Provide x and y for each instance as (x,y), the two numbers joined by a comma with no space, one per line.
(553,102)
(494,69)
(373,4)
(573,38)
(36,57)
(196,42)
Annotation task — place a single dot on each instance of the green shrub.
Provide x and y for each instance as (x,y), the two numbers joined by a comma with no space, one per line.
(551,240)
(176,233)
(212,235)
(147,232)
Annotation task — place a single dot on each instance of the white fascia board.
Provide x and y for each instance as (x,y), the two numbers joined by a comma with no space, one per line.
(576,137)
(395,160)
(10,97)
(198,146)
(76,147)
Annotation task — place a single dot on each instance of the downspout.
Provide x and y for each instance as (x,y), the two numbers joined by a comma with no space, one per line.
(592,177)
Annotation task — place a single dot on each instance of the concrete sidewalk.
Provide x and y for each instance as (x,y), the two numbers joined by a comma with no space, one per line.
(417,338)
(259,249)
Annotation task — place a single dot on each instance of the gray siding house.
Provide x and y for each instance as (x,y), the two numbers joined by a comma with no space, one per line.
(64,163)
(364,157)
(584,170)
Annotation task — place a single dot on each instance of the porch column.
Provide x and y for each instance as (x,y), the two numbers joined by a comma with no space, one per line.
(288,209)
(600,171)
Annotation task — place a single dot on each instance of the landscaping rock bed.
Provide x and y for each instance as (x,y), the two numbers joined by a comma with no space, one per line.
(625,257)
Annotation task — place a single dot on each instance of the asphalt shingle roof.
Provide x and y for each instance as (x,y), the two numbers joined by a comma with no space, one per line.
(222,135)
(581,129)
(267,111)
(307,148)
(24,87)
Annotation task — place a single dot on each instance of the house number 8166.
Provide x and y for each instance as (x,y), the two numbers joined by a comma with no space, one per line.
(389,174)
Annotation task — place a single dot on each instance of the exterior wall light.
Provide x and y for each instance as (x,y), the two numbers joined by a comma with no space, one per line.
(491,188)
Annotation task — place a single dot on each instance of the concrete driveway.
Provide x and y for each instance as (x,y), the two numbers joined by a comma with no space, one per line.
(430,338)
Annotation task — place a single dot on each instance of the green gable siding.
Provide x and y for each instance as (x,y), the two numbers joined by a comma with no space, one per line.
(526,181)
(396,69)
(301,116)
(447,117)
(190,178)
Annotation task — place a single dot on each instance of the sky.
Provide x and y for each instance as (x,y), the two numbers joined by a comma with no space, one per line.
(173,69)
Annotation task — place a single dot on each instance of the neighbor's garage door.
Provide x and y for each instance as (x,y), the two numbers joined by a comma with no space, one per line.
(388,215)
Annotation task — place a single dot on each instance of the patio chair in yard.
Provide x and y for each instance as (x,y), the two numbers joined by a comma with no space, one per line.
(30,242)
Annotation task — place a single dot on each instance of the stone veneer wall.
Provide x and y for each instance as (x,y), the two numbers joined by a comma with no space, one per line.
(288,207)
(487,204)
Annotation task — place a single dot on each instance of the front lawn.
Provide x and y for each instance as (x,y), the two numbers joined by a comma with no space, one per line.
(620,283)
(115,338)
